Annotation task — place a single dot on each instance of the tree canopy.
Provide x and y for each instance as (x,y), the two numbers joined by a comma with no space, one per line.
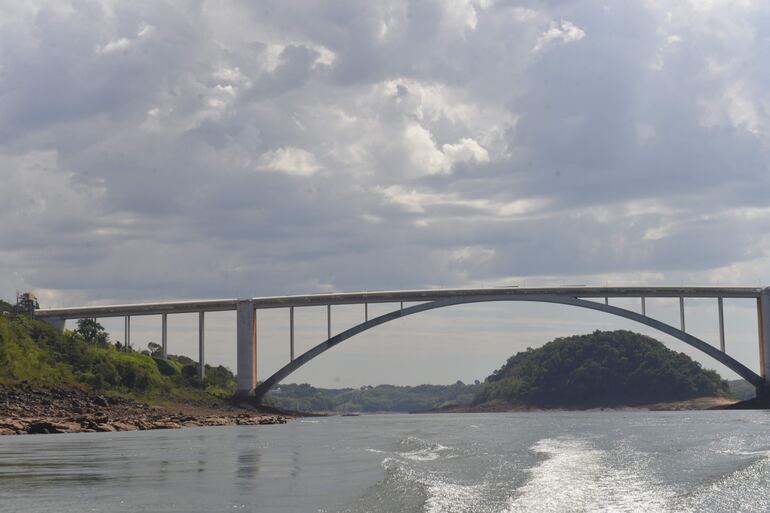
(93,332)
(604,368)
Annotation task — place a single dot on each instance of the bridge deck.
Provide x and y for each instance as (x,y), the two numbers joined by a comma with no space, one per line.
(351,298)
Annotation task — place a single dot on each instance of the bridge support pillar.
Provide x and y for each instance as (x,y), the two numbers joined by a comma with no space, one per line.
(201,347)
(164,336)
(246,334)
(763,318)
(127,333)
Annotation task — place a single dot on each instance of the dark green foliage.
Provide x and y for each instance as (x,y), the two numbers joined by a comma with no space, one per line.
(604,368)
(167,367)
(370,399)
(93,332)
(219,381)
(155,350)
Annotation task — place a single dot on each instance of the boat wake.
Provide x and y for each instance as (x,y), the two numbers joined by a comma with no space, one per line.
(578,477)
(569,475)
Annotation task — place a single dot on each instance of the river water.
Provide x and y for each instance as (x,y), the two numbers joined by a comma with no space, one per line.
(517,462)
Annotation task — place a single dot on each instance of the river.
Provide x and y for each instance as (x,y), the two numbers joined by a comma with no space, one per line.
(518,462)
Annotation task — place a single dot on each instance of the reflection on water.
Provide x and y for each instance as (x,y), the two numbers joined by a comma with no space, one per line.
(248,458)
(549,462)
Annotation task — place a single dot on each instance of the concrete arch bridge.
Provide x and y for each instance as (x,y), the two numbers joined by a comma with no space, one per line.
(592,298)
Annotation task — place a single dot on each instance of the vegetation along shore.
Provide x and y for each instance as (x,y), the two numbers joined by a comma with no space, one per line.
(79,380)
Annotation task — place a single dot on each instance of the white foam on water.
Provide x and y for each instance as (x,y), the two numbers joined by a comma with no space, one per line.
(441,495)
(423,449)
(744,491)
(446,497)
(578,477)
(421,455)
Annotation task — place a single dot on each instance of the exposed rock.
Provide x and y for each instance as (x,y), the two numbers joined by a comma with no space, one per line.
(124,426)
(165,425)
(27,409)
(13,424)
(66,427)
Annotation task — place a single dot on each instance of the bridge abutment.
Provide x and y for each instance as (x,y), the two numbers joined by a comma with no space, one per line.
(246,339)
(56,322)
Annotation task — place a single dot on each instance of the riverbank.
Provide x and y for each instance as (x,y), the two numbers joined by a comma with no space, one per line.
(27,409)
(700,403)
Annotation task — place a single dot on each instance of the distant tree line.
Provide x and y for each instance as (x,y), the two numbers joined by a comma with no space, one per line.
(380,398)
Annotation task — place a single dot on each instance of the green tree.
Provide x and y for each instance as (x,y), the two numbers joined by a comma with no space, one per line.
(156,351)
(93,332)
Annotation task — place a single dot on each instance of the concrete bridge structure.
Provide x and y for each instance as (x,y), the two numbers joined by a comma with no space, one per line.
(593,298)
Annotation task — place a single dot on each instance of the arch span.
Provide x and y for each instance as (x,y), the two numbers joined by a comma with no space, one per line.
(695,342)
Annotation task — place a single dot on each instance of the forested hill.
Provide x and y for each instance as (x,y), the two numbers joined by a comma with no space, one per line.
(604,368)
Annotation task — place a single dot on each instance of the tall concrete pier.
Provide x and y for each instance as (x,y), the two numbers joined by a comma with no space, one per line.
(246,340)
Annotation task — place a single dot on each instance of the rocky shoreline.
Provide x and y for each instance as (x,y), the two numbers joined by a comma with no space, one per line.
(26,409)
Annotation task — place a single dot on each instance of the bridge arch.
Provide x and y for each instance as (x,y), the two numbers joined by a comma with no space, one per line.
(695,342)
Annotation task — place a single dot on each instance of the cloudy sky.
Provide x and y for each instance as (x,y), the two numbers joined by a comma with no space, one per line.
(202,149)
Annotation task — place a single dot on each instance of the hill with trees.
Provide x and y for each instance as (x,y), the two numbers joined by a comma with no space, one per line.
(34,352)
(603,368)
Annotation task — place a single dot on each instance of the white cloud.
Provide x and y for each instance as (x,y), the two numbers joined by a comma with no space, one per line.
(114,46)
(561,32)
(419,202)
(122,44)
(430,160)
(733,106)
(289,160)
(466,150)
(423,152)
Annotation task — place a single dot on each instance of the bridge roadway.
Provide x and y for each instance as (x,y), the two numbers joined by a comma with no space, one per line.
(581,296)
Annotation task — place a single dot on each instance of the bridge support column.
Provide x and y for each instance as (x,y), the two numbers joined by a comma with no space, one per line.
(721,309)
(201,348)
(246,334)
(164,336)
(291,333)
(763,318)
(127,333)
